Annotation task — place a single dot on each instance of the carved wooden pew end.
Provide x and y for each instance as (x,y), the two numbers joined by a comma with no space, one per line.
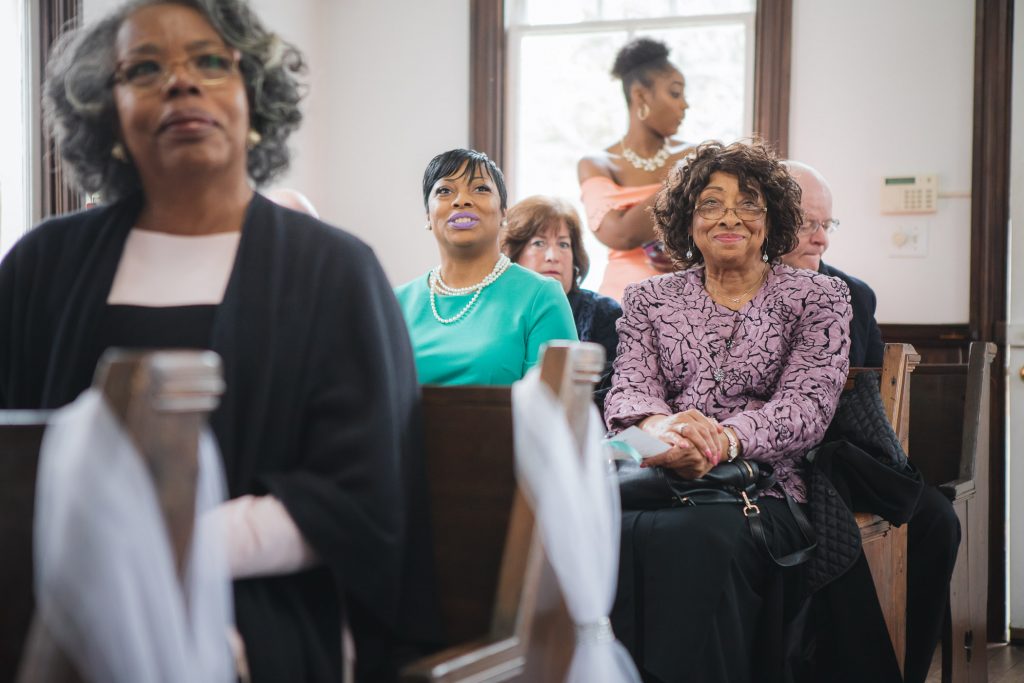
(885,546)
(497,589)
(162,399)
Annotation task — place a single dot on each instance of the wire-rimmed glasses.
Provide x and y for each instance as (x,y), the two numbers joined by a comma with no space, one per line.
(829,225)
(210,67)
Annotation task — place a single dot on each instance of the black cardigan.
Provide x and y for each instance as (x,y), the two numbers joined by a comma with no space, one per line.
(321,410)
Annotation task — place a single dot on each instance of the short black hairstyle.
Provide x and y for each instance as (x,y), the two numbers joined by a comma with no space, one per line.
(448,163)
(78,99)
(757,168)
(638,60)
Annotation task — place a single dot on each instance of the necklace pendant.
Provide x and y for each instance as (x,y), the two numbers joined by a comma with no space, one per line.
(728,344)
(718,374)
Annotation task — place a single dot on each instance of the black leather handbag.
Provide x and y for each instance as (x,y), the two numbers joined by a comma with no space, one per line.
(653,488)
(738,481)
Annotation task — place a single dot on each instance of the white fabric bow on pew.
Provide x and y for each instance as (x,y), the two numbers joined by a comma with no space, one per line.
(576,505)
(106,586)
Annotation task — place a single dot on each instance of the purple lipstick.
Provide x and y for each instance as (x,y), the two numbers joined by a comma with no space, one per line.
(463,220)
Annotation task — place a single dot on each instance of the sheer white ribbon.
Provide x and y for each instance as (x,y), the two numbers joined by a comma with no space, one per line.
(576,504)
(106,586)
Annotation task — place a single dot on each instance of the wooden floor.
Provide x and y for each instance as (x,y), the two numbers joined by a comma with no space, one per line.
(1005,665)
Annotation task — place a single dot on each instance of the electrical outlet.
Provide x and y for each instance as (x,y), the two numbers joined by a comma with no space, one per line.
(909,241)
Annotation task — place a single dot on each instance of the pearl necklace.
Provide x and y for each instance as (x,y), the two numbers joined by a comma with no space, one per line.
(437,286)
(645,163)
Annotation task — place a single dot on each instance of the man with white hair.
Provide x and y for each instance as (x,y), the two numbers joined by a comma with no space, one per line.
(933,533)
(865,338)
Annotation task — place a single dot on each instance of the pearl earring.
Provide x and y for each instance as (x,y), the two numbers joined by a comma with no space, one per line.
(253,138)
(689,251)
(118,152)
(427,226)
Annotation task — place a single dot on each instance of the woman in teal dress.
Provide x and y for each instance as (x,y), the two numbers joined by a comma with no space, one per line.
(476,318)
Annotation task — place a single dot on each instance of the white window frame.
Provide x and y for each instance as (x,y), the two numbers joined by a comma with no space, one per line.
(517,29)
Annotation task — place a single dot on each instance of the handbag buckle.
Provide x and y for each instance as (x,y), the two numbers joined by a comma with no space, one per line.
(748,507)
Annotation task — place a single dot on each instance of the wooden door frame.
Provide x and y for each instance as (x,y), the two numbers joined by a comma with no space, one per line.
(990,215)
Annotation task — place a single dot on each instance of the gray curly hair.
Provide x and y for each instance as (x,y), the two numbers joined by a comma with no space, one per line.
(78,101)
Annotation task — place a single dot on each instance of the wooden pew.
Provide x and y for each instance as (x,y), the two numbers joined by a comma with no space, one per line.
(499,596)
(949,418)
(885,546)
(21,432)
(162,399)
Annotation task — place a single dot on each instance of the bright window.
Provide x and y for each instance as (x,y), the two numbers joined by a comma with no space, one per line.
(15,212)
(565,104)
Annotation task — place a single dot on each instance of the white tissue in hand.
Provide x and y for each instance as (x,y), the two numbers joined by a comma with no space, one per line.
(642,442)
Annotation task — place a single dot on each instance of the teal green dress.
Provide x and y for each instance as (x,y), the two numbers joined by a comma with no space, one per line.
(498,340)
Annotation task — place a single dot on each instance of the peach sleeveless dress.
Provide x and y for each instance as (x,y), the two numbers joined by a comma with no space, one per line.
(601,195)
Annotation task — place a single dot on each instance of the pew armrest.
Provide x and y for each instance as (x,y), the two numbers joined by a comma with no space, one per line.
(871,525)
(483,659)
(958,489)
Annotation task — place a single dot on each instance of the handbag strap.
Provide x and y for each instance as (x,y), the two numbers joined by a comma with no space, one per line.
(753,514)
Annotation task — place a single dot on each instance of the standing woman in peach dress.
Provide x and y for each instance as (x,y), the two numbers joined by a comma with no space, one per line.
(619,183)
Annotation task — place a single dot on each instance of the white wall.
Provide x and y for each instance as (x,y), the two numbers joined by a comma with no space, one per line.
(389,89)
(886,88)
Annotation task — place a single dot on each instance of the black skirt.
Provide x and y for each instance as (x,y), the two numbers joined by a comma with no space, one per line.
(699,599)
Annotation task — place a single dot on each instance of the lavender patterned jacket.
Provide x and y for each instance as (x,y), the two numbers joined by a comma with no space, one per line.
(780,380)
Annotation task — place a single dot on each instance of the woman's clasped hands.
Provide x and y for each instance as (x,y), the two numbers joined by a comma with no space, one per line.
(697,442)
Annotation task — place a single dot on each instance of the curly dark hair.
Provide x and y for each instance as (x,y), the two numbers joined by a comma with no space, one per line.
(446,164)
(537,214)
(638,60)
(78,100)
(758,170)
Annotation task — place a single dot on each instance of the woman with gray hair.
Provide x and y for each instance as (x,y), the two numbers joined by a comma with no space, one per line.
(170,110)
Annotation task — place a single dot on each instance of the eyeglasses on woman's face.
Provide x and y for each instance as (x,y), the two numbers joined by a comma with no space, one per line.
(714,210)
(829,225)
(212,66)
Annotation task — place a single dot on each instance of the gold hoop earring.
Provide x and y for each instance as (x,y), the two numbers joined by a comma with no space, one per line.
(643,112)
(253,138)
(118,152)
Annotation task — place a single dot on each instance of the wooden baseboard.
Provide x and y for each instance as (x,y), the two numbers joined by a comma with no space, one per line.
(1016,636)
(950,335)
(935,343)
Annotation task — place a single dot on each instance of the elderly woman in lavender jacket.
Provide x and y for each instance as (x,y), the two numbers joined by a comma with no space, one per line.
(736,355)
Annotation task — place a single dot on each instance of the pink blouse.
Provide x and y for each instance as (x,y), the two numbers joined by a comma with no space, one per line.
(772,371)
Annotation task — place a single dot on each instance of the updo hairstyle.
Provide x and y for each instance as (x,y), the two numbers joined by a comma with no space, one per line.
(638,61)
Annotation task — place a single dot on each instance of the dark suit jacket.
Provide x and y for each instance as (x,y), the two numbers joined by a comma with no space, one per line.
(865,338)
